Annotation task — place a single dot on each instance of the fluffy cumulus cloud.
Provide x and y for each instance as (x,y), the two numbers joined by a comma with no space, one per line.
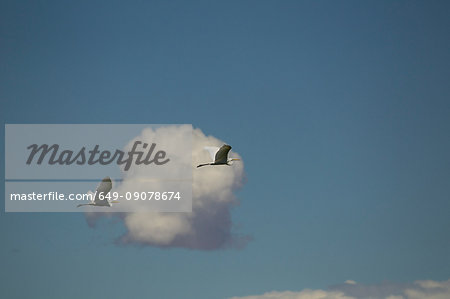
(426,289)
(209,225)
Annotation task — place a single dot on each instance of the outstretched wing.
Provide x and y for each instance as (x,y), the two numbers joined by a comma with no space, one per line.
(103,188)
(222,154)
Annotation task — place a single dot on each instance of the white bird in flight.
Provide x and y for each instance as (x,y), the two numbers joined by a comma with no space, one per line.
(219,155)
(102,190)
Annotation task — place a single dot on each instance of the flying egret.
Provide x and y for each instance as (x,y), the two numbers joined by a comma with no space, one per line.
(219,155)
(102,190)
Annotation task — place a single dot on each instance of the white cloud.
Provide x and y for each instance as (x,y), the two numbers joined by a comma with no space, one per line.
(156,228)
(305,294)
(209,225)
(427,289)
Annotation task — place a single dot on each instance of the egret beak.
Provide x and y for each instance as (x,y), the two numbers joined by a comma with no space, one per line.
(114,201)
(235,159)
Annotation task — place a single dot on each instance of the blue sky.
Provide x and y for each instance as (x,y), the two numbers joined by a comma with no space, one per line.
(340,111)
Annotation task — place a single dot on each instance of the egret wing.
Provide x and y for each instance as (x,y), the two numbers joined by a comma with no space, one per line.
(222,154)
(103,188)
